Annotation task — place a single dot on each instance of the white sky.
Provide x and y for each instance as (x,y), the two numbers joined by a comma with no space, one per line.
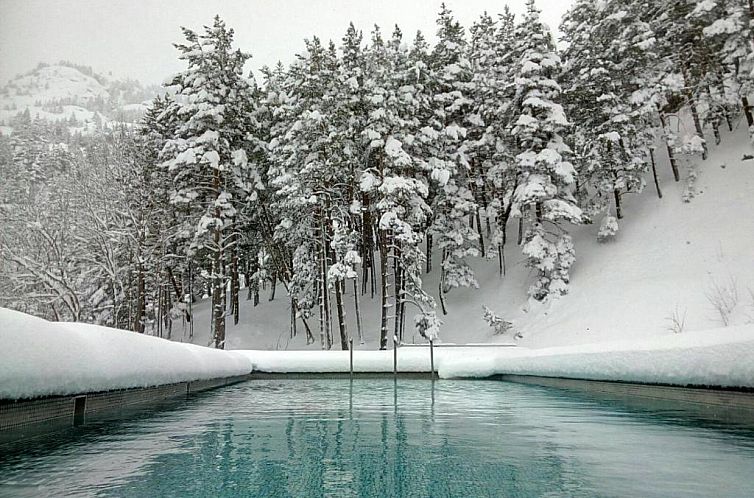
(134,37)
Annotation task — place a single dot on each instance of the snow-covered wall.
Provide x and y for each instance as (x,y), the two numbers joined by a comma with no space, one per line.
(41,358)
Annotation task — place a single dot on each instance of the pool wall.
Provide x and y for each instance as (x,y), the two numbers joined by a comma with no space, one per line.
(53,413)
(730,405)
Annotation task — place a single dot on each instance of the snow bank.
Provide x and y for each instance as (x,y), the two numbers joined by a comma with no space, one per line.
(41,358)
(410,359)
(720,357)
(413,360)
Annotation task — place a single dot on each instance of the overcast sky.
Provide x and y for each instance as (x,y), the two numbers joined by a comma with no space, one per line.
(134,37)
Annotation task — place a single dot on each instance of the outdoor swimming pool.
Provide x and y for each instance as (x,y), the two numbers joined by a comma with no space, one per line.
(380,437)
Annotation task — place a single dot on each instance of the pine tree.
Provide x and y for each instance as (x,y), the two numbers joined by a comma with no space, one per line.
(207,155)
(609,94)
(543,195)
(452,201)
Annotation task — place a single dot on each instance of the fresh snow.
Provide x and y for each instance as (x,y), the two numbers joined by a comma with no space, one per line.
(721,357)
(41,358)
(665,261)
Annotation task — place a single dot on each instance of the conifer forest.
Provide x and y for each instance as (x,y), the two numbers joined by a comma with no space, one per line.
(345,177)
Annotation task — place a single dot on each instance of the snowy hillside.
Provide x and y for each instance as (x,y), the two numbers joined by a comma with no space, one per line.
(73,94)
(670,259)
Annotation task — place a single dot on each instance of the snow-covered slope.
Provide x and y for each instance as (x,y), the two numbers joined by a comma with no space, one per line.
(670,258)
(56,82)
(65,92)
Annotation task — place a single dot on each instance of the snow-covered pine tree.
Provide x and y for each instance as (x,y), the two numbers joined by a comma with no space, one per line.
(482,92)
(491,147)
(395,183)
(452,200)
(309,181)
(609,94)
(207,154)
(685,64)
(725,31)
(728,24)
(544,194)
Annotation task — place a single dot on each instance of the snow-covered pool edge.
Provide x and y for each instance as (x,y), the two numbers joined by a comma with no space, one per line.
(40,358)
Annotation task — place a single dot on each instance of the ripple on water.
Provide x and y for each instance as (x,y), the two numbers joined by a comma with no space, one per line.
(384,438)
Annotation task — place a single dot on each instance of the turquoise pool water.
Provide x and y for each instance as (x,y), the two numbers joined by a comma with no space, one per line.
(377,438)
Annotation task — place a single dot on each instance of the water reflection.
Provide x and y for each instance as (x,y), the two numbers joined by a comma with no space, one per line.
(391,437)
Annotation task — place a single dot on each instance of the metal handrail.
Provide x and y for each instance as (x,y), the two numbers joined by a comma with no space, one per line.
(431,345)
(409,345)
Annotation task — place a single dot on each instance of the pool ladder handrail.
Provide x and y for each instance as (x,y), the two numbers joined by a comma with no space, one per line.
(398,344)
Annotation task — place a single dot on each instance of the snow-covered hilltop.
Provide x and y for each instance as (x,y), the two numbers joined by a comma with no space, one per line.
(74,95)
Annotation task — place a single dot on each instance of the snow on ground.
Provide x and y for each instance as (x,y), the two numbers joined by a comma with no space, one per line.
(41,358)
(668,259)
(705,358)
(410,359)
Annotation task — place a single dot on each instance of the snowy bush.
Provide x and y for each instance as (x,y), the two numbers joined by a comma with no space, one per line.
(677,321)
(428,325)
(689,192)
(693,144)
(724,298)
(608,228)
(552,256)
(499,324)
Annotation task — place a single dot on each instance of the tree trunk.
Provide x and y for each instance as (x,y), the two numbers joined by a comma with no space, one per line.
(441,286)
(235,283)
(273,285)
(218,307)
(293,318)
(502,225)
(357,311)
(654,172)
(247,277)
(366,243)
(191,300)
(694,111)
(158,315)
(429,252)
(341,316)
(403,311)
(479,231)
(384,288)
(141,300)
(325,290)
(671,155)
(747,111)
(168,317)
(618,210)
(321,301)
(397,282)
(698,125)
